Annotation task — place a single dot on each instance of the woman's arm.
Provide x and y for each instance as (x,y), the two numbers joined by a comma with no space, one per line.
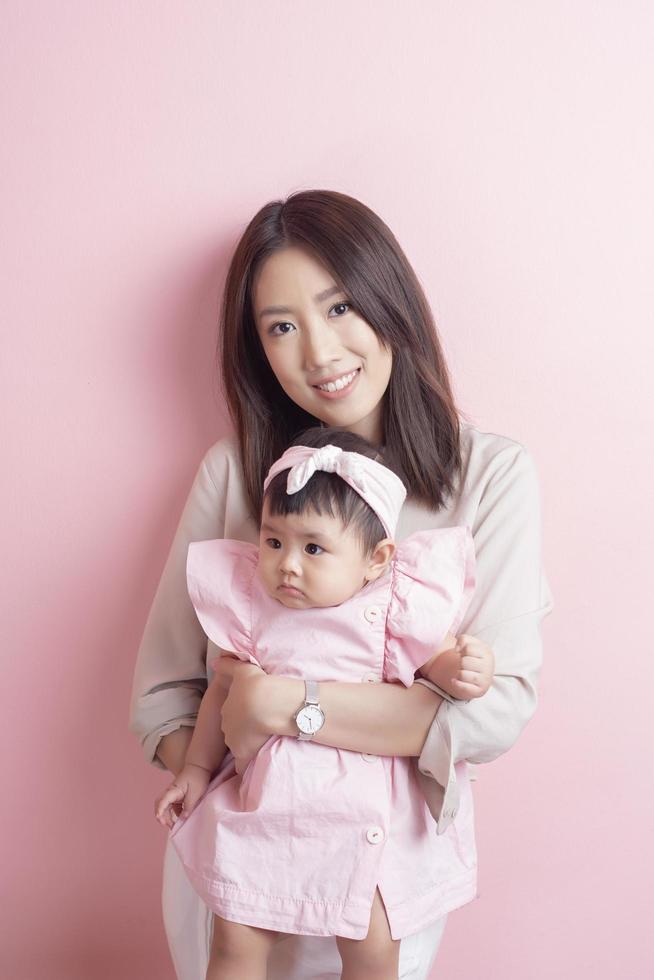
(170,674)
(172,749)
(511,599)
(382,719)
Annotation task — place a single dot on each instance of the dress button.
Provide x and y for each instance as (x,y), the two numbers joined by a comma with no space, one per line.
(367,757)
(375,835)
(372,613)
(371,677)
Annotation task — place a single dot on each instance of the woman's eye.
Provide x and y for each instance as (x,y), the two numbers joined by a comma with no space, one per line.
(279,329)
(273,543)
(313,549)
(341,305)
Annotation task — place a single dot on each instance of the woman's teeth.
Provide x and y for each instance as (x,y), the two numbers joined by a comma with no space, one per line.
(339,383)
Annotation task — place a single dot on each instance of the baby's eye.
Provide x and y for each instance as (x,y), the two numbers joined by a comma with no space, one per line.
(273,543)
(313,549)
(278,329)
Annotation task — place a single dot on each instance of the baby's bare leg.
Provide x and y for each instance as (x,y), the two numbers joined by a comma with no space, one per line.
(239,951)
(377,957)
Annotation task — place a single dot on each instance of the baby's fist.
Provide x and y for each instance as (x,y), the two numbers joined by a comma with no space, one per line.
(187,788)
(476,667)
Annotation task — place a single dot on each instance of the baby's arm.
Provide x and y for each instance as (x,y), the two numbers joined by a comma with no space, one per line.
(205,753)
(462,666)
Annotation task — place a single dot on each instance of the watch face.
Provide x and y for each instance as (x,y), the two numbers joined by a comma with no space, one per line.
(310,719)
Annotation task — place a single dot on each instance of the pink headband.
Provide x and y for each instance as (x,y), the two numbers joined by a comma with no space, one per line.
(379,486)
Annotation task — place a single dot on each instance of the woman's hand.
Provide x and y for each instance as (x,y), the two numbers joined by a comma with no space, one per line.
(242,723)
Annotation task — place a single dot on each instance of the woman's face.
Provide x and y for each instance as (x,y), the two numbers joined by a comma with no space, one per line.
(324,355)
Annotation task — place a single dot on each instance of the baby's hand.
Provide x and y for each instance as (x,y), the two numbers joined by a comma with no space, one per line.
(476,668)
(187,788)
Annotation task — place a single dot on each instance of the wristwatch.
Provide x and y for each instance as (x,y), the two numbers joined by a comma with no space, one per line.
(310,717)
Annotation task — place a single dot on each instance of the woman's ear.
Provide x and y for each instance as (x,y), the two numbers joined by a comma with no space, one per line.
(379,559)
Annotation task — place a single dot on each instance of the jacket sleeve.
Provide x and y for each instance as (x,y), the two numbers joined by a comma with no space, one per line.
(170,675)
(511,599)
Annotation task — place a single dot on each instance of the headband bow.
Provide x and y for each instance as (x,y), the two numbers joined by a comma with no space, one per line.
(380,487)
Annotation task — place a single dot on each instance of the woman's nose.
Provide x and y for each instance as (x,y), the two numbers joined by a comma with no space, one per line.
(321,346)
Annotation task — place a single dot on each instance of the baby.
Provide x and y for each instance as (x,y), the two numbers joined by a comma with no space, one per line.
(309,838)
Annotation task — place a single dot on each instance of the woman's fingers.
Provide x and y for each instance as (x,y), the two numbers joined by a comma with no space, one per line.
(225,670)
(229,667)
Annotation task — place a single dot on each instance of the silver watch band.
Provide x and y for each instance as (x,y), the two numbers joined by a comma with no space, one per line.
(311,692)
(310,697)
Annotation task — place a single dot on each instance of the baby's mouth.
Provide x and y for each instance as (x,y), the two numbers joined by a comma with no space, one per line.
(290,589)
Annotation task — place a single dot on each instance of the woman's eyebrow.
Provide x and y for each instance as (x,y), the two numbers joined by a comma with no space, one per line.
(318,299)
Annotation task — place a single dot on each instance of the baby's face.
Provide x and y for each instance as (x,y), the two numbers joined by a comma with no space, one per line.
(308,560)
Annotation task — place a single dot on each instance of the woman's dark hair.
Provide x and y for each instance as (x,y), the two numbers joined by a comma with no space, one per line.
(420,420)
(327,493)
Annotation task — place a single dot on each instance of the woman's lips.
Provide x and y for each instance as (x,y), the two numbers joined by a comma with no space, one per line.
(343,392)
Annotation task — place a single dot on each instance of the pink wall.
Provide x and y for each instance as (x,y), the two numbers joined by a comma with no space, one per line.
(509,146)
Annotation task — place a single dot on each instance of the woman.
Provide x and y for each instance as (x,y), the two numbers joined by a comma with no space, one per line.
(324,320)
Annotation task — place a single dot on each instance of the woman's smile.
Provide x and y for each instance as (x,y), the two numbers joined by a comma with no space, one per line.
(339,386)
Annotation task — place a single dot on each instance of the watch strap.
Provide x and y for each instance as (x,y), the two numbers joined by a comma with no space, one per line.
(311,692)
(310,697)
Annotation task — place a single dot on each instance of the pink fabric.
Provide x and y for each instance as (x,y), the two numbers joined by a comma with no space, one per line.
(301,841)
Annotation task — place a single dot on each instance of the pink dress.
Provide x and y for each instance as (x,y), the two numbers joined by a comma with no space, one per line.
(301,840)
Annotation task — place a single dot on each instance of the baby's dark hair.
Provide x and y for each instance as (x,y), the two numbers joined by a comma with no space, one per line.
(327,493)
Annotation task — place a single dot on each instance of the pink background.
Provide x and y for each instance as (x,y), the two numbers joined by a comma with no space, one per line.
(509,147)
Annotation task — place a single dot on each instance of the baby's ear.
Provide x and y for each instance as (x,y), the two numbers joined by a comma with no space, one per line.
(380,559)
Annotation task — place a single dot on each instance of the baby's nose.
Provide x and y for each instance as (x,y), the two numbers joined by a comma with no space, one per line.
(290,564)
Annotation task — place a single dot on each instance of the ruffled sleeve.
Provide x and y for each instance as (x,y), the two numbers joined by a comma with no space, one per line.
(219,578)
(433,583)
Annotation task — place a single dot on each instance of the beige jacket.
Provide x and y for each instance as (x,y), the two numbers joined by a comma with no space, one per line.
(498,498)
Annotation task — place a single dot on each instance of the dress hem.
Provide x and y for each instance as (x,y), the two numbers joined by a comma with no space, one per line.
(299,917)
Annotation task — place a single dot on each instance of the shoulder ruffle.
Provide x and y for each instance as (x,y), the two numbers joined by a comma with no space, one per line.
(433,582)
(219,577)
